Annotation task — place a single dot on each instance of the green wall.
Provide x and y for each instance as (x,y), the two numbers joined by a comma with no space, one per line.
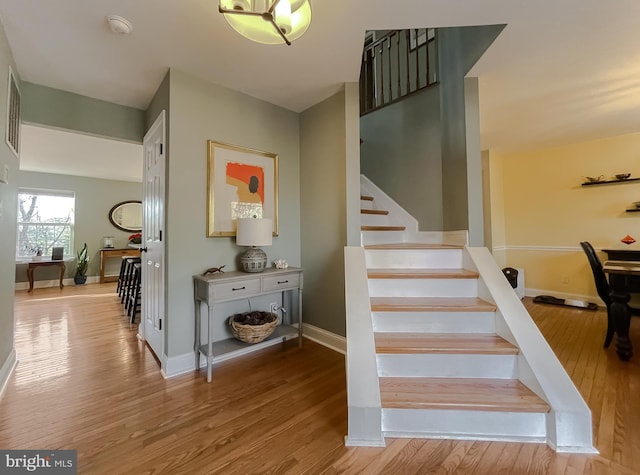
(94,198)
(458,50)
(65,110)
(159,103)
(324,222)
(199,111)
(401,154)
(8,212)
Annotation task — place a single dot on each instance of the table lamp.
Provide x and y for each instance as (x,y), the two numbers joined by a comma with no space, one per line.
(253,232)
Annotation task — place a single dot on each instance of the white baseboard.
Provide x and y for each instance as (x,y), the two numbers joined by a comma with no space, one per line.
(181,364)
(325,338)
(177,365)
(42,284)
(529,292)
(7,369)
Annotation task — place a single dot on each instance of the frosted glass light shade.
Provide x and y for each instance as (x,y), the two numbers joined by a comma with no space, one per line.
(254,232)
(259,28)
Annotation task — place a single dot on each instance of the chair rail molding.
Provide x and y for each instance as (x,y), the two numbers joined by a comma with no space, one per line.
(540,248)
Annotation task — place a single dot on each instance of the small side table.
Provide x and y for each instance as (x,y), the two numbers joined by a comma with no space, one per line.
(214,289)
(44,263)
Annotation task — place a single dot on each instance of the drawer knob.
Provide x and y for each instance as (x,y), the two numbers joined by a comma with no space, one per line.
(283,282)
(239,288)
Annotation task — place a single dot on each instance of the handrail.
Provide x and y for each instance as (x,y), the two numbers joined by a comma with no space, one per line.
(398,64)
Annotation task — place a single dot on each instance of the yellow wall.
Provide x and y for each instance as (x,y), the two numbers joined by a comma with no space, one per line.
(543,212)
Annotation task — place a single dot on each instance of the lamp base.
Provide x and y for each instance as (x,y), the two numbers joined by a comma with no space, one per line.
(254,260)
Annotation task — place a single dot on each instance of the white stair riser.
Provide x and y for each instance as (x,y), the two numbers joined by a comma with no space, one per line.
(434,322)
(383,237)
(375,220)
(414,258)
(423,287)
(447,366)
(474,425)
(366,204)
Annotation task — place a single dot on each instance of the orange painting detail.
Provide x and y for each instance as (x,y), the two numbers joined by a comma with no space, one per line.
(249,180)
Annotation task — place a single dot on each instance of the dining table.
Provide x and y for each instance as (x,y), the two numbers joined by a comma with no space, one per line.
(623,272)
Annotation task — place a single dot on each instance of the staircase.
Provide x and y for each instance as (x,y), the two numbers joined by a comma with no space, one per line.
(440,369)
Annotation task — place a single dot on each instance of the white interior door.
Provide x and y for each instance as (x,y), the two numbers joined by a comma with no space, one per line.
(152,309)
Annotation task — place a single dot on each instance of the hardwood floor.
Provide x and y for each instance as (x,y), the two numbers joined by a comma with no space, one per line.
(85,382)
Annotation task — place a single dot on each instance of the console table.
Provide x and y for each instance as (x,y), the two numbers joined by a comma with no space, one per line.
(106,253)
(214,289)
(44,263)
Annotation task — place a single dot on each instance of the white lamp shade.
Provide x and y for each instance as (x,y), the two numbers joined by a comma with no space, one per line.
(254,232)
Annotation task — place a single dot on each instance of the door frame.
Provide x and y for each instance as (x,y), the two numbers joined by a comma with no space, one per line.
(160,122)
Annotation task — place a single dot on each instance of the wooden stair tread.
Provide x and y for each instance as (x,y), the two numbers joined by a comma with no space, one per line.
(382,228)
(409,245)
(374,211)
(430,304)
(366,198)
(443,343)
(505,395)
(421,274)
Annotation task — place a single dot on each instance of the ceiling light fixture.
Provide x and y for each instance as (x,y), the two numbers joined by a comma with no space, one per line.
(268,21)
(120,25)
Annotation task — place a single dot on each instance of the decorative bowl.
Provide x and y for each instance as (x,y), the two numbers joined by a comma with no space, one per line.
(596,179)
(622,176)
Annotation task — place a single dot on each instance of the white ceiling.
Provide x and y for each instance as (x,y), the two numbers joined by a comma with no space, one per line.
(560,72)
(55,151)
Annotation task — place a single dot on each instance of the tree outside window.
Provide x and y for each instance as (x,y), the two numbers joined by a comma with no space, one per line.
(45,221)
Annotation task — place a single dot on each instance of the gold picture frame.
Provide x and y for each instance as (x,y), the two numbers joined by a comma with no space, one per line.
(241,182)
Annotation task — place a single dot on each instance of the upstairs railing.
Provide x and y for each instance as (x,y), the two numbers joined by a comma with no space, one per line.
(400,63)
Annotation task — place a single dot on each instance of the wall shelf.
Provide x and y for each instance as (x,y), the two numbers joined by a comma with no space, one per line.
(608,182)
(633,210)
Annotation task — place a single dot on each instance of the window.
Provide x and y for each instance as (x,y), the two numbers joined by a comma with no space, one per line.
(45,221)
(13,115)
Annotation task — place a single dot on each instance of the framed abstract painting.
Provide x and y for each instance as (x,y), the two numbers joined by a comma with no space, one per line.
(241,183)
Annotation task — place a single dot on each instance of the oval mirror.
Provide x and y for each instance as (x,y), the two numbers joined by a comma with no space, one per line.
(127,216)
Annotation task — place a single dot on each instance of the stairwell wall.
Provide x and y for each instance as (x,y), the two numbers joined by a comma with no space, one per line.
(401,154)
(328,135)
(458,50)
(415,150)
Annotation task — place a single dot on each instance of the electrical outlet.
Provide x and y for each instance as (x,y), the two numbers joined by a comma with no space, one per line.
(565,279)
(273,308)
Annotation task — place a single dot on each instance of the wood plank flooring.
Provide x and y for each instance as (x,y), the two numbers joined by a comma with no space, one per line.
(85,382)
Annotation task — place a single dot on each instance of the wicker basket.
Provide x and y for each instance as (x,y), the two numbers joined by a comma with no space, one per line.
(253,333)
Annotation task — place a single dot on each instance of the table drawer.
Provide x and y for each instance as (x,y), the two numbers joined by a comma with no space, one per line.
(121,252)
(238,288)
(281,282)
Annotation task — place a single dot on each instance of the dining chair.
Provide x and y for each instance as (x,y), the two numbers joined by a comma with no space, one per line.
(602,287)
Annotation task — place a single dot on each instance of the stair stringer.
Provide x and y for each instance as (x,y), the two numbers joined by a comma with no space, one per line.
(363,390)
(568,424)
(398,215)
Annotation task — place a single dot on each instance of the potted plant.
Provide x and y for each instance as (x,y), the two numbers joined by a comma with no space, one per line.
(81,266)
(135,238)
